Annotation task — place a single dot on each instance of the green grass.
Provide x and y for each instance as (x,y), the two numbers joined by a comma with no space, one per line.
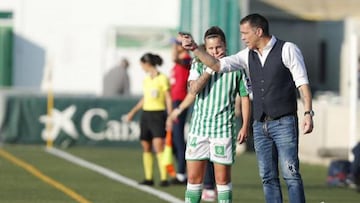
(19,186)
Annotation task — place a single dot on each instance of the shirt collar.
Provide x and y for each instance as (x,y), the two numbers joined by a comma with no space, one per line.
(270,44)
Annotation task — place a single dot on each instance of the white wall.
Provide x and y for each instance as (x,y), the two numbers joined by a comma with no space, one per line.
(70,37)
(331,130)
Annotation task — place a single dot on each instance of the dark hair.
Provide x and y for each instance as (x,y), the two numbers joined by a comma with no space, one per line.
(257,21)
(215,31)
(152,59)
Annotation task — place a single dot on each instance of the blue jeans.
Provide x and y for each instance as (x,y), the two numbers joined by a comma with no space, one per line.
(276,142)
(209,177)
(178,140)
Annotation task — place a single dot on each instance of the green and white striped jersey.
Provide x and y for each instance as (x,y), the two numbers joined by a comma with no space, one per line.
(214,108)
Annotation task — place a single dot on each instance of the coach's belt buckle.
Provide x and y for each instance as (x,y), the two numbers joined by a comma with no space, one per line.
(269,118)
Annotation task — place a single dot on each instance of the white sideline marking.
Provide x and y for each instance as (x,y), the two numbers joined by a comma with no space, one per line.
(112,175)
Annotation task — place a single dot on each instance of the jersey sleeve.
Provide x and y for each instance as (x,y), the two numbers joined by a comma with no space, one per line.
(195,70)
(244,84)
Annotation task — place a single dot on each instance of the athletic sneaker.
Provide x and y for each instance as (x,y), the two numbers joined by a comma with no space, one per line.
(164,183)
(176,181)
(209,195)
(147,182)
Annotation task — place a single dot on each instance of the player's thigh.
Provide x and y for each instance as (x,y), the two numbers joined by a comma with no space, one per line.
(196,171)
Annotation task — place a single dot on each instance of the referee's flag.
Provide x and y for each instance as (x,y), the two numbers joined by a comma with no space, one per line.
(168,155)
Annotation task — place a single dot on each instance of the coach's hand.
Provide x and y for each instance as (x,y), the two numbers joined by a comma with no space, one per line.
(187,41)
(307,124)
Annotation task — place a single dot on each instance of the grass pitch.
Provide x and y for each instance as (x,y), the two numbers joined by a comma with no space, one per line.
(17,185)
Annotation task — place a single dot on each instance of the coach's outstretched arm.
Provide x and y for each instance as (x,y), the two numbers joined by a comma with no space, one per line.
(189,44)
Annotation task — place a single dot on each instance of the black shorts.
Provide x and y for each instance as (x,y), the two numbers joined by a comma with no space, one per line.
(152,124)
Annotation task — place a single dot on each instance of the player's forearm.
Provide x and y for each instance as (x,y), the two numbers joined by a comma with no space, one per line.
(189,99)
(197,85)
(238,106)
(245,111)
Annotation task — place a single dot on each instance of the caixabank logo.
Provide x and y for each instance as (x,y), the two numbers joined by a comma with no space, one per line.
(63,121)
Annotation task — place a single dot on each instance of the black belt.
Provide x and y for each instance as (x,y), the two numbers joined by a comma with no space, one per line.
(269,118)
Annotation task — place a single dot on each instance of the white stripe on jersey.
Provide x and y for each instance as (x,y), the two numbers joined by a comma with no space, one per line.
(213,112)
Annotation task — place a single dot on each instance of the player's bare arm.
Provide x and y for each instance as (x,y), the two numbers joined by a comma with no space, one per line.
(245,113)
(188,100)
(196,86)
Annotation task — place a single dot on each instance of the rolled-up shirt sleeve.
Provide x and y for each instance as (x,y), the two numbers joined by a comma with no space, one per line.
(294,60)
(234,62)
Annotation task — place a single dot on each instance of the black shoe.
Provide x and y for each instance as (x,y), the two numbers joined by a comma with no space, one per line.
(176,181)
(147,182)
(164,183)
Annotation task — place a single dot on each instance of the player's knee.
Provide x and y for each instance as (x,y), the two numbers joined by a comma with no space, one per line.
(194,179)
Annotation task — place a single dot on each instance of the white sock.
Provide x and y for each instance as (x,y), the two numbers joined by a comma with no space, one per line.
(181,176)
(194,187)
(224,192)
(224,187)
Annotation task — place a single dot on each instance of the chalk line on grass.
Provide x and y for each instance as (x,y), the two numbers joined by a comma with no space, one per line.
(37,173)
(112,175)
